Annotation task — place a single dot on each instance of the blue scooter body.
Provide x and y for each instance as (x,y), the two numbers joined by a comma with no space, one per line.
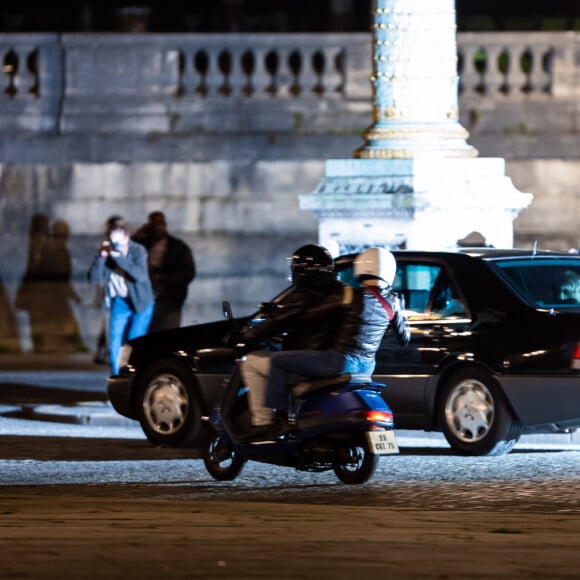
(327,417)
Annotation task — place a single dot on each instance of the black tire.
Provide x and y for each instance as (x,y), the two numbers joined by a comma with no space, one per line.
(474,415)
(221,460)
(358,465)
(168,410)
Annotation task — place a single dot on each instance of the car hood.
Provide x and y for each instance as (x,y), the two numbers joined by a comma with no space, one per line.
(186,338)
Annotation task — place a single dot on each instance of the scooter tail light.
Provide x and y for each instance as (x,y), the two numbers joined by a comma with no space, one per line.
(378,416)
(576,357)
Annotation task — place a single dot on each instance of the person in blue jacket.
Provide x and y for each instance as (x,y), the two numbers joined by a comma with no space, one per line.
(120,266)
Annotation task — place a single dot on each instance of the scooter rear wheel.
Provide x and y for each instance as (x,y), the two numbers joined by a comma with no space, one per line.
(359,463)
(221,460)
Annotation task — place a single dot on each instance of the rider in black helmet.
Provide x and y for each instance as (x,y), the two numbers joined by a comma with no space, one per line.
(311,265)
(312,319)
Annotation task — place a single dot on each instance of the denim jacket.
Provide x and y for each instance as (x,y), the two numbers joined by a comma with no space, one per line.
(133,267)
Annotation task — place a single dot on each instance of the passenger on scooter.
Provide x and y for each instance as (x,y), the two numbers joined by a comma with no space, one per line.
(313,319)
(375,270)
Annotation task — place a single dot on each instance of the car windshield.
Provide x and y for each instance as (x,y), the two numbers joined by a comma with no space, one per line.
(546,282)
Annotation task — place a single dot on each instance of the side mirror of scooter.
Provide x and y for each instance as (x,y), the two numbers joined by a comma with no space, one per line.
(227,310)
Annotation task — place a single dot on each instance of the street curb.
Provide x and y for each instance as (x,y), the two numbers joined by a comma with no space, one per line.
(96,413)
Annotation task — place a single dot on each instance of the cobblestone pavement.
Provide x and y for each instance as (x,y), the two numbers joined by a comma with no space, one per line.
(98,501)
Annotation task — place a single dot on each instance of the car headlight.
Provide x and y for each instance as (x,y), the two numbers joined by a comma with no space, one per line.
(125,355)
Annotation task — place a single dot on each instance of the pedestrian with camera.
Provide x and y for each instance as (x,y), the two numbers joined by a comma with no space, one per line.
(120,267)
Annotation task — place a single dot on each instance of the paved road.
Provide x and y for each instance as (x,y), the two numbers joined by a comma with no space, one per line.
(82,499)
(429,477)
(76,501)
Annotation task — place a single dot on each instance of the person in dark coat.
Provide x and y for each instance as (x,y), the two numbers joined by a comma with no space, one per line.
(171,269)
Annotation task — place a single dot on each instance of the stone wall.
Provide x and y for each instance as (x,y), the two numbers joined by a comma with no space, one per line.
(101,124)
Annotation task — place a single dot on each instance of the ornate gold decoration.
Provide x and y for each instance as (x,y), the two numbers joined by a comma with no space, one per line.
(453,132)
(422,153)
(393,113)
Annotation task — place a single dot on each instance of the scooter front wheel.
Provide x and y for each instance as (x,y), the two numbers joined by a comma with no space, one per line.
(358,465)
(221,460)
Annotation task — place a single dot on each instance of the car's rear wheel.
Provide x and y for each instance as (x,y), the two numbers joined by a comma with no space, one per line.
(475,416)
(169,413)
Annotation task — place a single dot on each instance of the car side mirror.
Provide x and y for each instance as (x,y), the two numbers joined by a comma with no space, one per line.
(227,310)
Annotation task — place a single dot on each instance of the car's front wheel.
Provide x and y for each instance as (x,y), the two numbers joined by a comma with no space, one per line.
(221,460)
(474,414)
(169,413)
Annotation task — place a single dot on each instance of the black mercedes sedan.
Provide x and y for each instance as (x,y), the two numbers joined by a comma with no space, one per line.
(494,353)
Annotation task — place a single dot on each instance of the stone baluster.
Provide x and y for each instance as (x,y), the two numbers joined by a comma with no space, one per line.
(540,78)
(517,78)
(470,77)
(236,77)
(214,79)
(333,78)
(307,78)
(261,78)
(190,77)
(284,75)
(493,78)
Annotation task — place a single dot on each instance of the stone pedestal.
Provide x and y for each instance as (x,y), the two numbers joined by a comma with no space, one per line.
(414,203)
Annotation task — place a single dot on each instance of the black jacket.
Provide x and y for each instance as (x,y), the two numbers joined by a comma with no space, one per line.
(176,272)
(335,316)
(312,319)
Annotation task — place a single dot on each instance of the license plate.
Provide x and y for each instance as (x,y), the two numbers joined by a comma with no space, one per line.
(382,442)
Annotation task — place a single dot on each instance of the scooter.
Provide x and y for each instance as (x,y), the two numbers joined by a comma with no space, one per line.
(339,423)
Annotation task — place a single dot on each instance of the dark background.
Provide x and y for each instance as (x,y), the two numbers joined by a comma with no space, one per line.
(264,16)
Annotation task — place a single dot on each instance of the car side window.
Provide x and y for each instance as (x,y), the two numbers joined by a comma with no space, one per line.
(428,291)
(414,282)
(547,283)
(444,300)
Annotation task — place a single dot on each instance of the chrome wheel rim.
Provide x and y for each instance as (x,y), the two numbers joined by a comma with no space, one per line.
(469,411)
(165,404)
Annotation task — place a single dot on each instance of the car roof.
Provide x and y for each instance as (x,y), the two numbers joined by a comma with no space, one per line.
(498,253)
(484,253)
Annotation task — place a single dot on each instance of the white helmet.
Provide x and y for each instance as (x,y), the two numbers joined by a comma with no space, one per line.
(377,266)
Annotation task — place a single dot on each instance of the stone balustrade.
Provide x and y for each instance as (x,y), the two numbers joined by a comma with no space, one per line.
(516,65)
(175,83)
(31,83)
(258,66)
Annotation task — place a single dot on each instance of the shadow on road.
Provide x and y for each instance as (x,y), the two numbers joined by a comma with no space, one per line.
(86,449)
